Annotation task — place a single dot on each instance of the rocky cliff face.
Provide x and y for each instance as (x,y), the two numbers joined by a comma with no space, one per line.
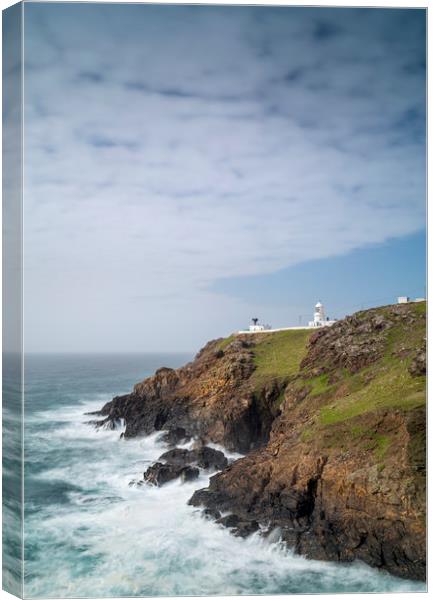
(214,397)
(333,427)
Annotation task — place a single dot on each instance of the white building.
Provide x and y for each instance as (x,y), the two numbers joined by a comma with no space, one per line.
(319,317)
(406,299)
(254,327)
(319,320)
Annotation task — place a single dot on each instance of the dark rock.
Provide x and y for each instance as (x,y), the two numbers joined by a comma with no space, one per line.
(212,513)
(180,457)
(109,423)
(203,497)
(245,528)
(158,474)
(229,520)
(177,435)
(189,474)
(241,528)
(204,457)
(209,458)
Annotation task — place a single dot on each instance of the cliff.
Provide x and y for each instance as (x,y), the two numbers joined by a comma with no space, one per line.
(333,427)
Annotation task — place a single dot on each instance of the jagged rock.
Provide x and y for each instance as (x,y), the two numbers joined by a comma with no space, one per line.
(353,343)
(229,520)
(109,423)
(212,513)
(204,457)
(179,457)
(241,528)
(158,474)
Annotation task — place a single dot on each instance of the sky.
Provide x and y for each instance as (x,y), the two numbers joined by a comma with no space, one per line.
(190,167)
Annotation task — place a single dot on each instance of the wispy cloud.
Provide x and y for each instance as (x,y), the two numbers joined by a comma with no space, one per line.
(168,147)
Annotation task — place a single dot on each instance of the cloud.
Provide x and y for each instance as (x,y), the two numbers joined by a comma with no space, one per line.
(90,76)
(168,147)
(325,30)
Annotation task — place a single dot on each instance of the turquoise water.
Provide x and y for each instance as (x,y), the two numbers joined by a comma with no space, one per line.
(87,533)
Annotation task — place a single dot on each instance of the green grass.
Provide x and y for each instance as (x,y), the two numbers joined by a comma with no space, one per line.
(382,444)
(319,385)
(420,308)
(377,443)
(393,389)
(345,436)
(278,355)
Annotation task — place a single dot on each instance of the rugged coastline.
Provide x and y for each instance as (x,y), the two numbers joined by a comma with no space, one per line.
(332,426)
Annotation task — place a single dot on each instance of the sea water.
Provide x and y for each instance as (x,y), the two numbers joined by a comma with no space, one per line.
(89,533)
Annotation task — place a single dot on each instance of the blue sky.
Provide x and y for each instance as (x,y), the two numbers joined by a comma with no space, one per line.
(185,165)
(354,281)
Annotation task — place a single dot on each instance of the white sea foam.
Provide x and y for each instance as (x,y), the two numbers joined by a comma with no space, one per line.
(114,539)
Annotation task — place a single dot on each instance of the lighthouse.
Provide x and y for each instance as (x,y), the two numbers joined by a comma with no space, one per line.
(319,317)
(319,320)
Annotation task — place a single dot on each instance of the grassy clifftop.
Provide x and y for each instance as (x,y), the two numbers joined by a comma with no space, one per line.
(277,356)
(361,365)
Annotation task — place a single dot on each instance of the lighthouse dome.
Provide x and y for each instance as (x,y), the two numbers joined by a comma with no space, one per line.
(319,305)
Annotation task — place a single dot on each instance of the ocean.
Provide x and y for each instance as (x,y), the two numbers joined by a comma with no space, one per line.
(88,533)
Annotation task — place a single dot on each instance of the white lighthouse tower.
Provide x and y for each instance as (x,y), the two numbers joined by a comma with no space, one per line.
(319,317)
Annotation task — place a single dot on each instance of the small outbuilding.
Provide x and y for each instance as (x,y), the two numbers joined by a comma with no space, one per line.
(255,325)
